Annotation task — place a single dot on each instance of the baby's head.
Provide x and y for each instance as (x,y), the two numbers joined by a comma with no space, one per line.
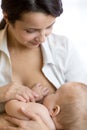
(68,106)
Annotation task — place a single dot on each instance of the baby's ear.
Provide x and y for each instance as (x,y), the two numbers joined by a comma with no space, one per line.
(55,111)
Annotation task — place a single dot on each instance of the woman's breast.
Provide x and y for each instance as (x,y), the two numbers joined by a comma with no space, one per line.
(30,78)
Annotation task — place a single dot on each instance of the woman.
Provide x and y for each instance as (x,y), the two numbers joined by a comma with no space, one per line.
(30,54)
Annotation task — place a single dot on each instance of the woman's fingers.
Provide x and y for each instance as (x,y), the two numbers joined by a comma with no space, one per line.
(9,128)
(20,98)
(35,122)
(30,115)
(14,121)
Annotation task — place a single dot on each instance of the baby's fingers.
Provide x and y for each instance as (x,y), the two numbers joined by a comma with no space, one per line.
(45,91)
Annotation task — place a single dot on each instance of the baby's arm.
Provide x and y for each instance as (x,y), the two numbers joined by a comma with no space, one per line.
(13,109)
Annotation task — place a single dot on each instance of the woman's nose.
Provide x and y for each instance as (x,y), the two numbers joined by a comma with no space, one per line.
(41,37)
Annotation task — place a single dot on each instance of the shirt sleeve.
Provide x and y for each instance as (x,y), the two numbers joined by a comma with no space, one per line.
(75,69)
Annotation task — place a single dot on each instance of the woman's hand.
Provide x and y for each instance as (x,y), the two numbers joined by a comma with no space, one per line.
(34,123)
(19,92)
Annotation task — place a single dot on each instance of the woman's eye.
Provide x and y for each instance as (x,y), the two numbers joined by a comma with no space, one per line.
(30,30)
(50,27)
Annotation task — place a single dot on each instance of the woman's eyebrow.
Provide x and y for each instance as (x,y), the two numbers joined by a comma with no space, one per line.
(46,27)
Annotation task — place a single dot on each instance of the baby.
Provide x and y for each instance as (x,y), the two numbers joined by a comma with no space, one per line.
(67,108)
(12,107)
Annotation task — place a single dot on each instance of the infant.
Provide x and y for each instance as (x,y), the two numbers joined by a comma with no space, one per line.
(66,108)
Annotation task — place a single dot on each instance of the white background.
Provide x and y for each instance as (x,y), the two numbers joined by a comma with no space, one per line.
(73,24)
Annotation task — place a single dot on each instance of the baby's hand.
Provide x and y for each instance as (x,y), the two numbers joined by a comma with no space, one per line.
(41,91)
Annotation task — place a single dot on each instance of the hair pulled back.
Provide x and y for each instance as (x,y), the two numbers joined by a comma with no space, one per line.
(16,8)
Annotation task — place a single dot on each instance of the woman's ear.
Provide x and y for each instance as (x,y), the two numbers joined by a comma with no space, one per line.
(5,16)
(55,111)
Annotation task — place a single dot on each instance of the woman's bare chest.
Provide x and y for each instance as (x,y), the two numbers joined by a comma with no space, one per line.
(28,71)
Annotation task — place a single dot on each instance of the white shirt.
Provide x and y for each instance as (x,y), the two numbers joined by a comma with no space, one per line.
(61,61)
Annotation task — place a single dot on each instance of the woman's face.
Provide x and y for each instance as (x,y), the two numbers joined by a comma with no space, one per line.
(32,29)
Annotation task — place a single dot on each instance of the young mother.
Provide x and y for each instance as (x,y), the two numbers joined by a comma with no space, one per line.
(31,54)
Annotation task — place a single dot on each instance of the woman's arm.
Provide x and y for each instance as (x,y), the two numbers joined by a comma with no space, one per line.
(3,93)
(13,109)
(35,124)
(17,91)
(4,122)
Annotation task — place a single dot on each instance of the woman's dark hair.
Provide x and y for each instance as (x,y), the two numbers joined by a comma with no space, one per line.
(16,8)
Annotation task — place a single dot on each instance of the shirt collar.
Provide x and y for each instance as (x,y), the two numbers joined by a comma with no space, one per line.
(46,52)
(3,41)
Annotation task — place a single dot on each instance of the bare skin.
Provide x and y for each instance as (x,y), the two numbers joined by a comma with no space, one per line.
(35,123)
(13,109)
(23,50)
(26,56)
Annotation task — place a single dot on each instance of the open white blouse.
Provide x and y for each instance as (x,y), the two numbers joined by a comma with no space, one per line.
(62,62)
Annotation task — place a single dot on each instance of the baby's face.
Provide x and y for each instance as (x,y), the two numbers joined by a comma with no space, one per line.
(56,98)
(51,102)
(60,96)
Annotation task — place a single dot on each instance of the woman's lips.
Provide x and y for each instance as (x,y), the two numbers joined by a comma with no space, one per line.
(36,43)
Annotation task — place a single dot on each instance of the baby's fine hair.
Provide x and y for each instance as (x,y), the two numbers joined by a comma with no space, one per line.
(73,114)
